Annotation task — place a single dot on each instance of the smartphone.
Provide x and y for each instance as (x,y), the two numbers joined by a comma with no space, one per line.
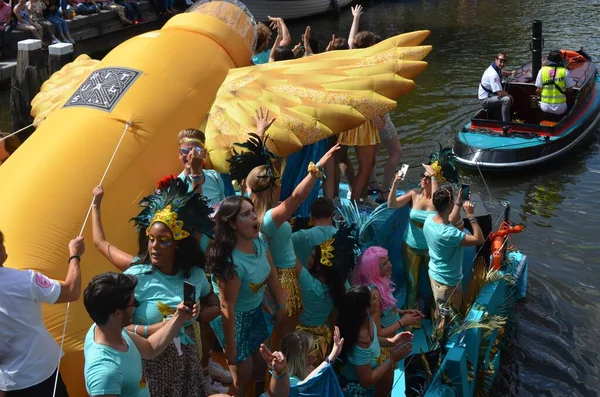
(402,172)
(189,294)
(465,191)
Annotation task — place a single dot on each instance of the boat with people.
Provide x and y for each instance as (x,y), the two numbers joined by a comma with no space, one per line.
(534,137)
(293,9)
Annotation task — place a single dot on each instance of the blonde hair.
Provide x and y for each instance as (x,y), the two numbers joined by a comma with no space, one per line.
(263,191)
(191,135)
(295,347)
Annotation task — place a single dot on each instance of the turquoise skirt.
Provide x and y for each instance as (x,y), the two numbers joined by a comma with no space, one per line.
(250,331)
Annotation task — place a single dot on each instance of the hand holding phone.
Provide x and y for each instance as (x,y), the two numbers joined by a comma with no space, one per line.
(402,172)
(465,192)
(189,295)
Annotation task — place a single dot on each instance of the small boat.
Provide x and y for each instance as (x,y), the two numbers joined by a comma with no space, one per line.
(529,139)
(293,9)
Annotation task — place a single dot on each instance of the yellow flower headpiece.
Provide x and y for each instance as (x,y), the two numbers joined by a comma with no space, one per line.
(327,252)
(437,169)
(169,218)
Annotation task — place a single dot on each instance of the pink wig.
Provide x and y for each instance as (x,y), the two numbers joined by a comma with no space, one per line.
(367,272)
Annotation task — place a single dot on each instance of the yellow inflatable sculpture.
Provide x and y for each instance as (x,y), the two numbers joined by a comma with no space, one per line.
(161,82)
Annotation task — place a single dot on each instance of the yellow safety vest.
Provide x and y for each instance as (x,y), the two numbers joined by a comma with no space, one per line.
(553,91)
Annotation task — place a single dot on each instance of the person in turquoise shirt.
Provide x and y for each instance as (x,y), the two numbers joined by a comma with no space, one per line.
(321,213)
(113,355)
(241,268)
(374,270)
(172,218)
(446,242)
(263,37)
(362,369)
(323,286)
(262,182)
(415,253)
(192,153)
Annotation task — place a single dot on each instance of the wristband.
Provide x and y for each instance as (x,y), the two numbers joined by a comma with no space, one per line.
(400,323)
(473,220)
(135,329)
(328,361)
(275,376)
(433,178)
(74,257)
(195,177)
(145,331)
(456,203)
(314,170)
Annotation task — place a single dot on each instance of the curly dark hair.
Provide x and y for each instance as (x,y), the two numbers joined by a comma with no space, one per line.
(219,253)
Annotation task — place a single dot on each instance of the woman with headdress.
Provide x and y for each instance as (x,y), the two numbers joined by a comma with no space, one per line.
(362,369)
(415,253)
(171,219)
(241,268)
(323,285)
(262,183)
(374,270)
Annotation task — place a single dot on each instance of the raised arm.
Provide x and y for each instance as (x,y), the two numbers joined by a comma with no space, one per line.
(306,38)
(120,259)
(285,210)
(157,343)
(229,293)
(280,381)
(275,45)
(477,238)
(357,11)
(336,349)
(282,30)
(70,289)
(400,201)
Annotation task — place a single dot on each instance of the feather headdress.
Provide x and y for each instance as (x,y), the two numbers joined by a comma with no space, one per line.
(341,250)
(183,212)
(255,154)
(442,162)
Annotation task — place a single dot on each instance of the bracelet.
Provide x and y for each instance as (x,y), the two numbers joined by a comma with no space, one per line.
(135,329)
(74,257)
(434,178)
(473,220)
(328,361)
(456,203)
(400,323)
(195,177)
(145,331)
(314,169)
(275,376)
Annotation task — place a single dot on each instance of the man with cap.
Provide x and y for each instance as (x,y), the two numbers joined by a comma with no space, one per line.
(491,94)
(553,82)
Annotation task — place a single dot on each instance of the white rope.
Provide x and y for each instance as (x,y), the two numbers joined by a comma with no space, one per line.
(14,133)
(62,341)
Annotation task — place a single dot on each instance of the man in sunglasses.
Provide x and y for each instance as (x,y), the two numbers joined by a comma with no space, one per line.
(113,355)
(491,93)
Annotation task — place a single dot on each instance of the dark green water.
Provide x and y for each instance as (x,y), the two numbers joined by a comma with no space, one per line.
(555,352)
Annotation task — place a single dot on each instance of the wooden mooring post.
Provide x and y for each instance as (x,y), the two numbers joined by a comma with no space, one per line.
(60,55)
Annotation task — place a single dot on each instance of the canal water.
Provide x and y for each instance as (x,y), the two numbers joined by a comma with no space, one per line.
(556,350)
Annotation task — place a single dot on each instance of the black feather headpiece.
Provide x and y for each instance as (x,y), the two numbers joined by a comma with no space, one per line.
(255,154)
(183,212)
(341,250)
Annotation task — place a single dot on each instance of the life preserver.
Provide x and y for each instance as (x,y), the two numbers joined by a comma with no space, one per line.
(572,56)
(498,245)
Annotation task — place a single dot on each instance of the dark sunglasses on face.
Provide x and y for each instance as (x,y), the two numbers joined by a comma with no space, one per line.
(184,151)
(135,304)
(424,175)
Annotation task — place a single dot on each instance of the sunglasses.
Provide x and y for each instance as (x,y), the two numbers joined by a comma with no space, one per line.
(424,175)
(184,151)
(135,304)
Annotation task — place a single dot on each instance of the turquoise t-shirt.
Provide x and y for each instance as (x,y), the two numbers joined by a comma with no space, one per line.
(213,187)
(294,380)
(316,299)
(108,371)
(389,316)
(445,251)
(262,57)
(361,356)
(280,241)
(154,287)
(252,270)
(305,240)
(413,234)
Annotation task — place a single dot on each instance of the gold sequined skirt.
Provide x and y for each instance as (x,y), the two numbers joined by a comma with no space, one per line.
(289,282)
(363,135)
(322,336)
(386,352)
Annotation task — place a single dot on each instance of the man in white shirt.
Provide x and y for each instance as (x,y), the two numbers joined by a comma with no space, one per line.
(491,94)
(28,353)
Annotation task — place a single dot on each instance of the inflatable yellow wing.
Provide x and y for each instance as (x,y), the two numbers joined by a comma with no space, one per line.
(159,83)
(313,97)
